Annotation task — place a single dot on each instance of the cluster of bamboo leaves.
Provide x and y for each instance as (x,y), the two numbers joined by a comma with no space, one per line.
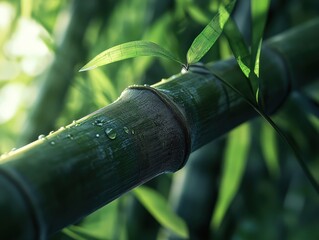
(108,220)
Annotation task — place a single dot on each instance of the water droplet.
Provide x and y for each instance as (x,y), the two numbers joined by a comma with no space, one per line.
(51,132)
(98,122)
(110,133)
(97,135)
(70,136)
(146,85)
(42,136)
(133,131)
(74,122)
(126,130)
(52,142)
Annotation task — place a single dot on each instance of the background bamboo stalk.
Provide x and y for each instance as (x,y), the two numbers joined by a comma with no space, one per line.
(57,81)
(147,131)
(193,203)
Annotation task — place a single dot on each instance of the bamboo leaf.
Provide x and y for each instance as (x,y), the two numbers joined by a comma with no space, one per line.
(158,207)
(269,149)
(240,51)
(287,140)
(238,46)
(129,50)
(294,149)
(197,15)
(259,11)
(78,233)
(235,160)
(206,39)
(103,87)
(103,223)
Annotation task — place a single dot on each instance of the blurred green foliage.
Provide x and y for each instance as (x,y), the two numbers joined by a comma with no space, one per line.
(273,201)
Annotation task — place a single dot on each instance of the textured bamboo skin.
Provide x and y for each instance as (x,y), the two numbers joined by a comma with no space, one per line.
(211,108)
(57,180)
(76,170)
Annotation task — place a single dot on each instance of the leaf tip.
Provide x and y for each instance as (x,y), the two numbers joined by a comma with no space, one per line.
(87,68)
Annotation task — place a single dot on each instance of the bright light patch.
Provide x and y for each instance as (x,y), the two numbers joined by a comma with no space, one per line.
(27,43)
(11,97)
(8,70)
(6,13)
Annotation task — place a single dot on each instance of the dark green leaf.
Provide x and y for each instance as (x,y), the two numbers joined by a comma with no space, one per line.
(158,207)
(238,46)
(259,11)
(287,140)
(206,39)
(129,50)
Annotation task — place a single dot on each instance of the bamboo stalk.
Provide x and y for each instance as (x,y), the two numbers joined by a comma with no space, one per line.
(193,203)
(63,177)
(57,81)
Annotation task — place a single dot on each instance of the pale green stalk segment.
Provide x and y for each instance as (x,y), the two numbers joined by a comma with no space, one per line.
(206,39)
(235,160)
(26,8)
(269,149)
(129,50)
(158,207)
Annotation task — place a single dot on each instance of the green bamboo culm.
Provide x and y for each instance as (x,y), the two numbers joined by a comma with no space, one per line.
(63,177)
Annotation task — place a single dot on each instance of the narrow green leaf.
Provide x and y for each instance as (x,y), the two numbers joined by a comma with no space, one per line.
(240,51)
(269,149)
(287,140)
(235,160)
(197,14)
(294,149)
(129,50)
(238,46)
(206,39)
(259,11)
(103,223)
(78,233)
(158,207)
(103,87)
(314,121)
